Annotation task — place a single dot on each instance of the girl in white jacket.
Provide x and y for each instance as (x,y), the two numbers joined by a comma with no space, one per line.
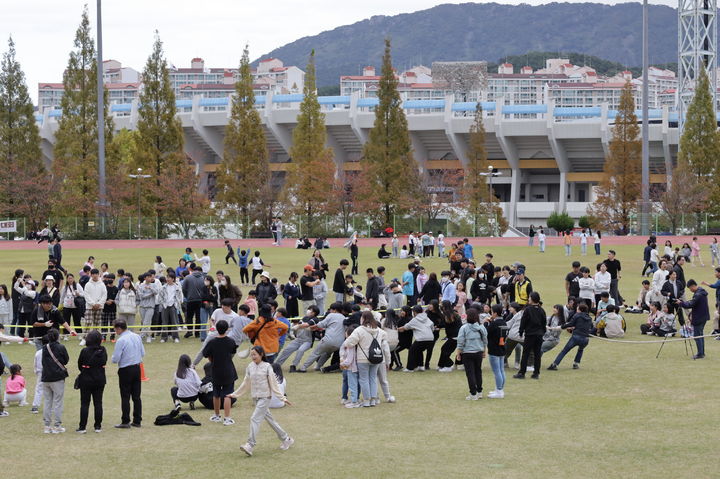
(363,338)
(127,302)
(6,306)
(261,382)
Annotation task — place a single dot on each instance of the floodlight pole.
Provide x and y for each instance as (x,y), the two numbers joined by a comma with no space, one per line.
(102,201)
(645,180)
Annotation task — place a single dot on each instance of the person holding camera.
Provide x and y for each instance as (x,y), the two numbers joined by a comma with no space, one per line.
(700,314)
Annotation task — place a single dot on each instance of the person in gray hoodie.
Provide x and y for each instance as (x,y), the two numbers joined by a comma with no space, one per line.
(331,341)
(472,342)
(302,342)
(422,328)
(193,289)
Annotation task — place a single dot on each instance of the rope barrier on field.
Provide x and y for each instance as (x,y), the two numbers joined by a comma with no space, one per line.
(653,341)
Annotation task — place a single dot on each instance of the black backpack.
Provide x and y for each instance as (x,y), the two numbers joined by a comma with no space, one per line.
(374,354)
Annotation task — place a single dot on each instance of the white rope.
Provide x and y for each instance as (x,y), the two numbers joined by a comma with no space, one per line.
(654,341)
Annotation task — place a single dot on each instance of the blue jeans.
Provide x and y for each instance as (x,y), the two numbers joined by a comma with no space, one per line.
(568,250)
(350,385)
(497,363)
(368,380)
(653,266)
(204,316)
(699,342)
(597,248)
(580,341)
(531,239)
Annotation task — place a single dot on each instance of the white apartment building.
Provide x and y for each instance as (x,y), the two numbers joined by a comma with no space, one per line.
(50,94)
(280,79)
(366,84)
(114,72)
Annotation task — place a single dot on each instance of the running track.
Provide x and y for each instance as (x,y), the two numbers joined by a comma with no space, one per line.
(334,242)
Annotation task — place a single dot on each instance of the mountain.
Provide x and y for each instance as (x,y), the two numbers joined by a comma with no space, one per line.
(488,31)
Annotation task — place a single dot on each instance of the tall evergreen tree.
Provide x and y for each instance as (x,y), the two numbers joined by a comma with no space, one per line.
(388,164)
(699,151)
(311,178)
(75,168)
(619,189)
(159,132)
(19,135)
(20,158)
(243,176)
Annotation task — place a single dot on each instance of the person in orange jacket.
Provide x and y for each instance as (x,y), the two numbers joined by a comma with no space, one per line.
(265,331)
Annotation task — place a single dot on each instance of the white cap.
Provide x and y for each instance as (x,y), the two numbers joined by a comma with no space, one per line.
(49,277)
(265,274)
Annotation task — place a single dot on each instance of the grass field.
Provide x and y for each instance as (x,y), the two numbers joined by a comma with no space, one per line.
(624,413)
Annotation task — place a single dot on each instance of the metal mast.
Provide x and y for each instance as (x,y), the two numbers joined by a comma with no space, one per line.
(697,48)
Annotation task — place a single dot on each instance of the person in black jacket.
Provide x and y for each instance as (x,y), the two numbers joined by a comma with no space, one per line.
(339,281)
(372,289)
(674,289)
(54,359)
(405,338)
(451,322)
(354,256)
(265,290)
(580,324)
(91,363)
(496,328)
(533,324)
(431,289)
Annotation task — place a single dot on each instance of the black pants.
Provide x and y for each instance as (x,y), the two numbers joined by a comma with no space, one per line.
(354,269)
(96,394)
(415,354)
(256,272)
(428,357)
(448,348)
(473,371)
(129,377)
(73,316)
(174,391)
(230,256)
(645,268)
(193,316)
(244,276)
(532,344)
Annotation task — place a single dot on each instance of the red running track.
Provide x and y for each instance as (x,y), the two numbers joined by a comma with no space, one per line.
(334,242)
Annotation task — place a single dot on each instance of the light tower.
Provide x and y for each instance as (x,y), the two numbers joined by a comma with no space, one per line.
(697,48)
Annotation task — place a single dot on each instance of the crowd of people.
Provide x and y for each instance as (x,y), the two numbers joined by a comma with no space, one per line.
(481,310)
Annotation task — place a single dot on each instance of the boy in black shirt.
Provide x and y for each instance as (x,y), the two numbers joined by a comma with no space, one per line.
(572,286)
(220,351)
(109,312)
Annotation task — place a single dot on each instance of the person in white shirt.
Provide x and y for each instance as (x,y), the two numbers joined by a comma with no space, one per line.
(95,293)
(587,287)
(159,267)
(660,276)
(602,282)
(583,242)
(171,299)
(441,244)
(204,261)
(654,258)
(541,240)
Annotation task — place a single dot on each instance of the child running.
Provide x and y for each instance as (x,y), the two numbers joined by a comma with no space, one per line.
(261,382)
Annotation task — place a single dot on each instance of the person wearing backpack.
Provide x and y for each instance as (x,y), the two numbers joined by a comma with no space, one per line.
(54,361)
(373,352)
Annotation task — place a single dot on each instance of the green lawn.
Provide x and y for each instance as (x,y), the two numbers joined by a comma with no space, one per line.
(624,413)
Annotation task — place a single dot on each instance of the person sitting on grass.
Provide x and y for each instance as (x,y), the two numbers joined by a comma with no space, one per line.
(602,305)
(580,325)
(643,300)
(383,253)
(187,383)
(612,325)
(665,323)
(655,313)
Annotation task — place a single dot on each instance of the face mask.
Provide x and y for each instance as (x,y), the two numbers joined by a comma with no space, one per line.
(207,283)
(223,282)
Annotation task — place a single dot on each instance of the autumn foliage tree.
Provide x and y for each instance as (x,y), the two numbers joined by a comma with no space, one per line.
(243,176)
(388,165)
(684,194)
(619,189)
(311,177)
(183,203)
(75,167)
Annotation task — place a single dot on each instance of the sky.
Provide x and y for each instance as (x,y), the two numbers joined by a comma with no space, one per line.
(215,30)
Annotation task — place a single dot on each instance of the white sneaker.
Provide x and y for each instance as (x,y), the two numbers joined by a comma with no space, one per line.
(148,340)
(4,414)
(215,418)
(406,370)
(517,366)
(530,369)
(421,368)
(177,340)
(47,430)
(58,430)
(162,341)
(352,405)
(460,367)
(82,342)
(285,445)
(344,401)
(23,403)
(247,449)
(497,394)
(5,404)
(391,399)
(66,338)
(472,397)
(228,421)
